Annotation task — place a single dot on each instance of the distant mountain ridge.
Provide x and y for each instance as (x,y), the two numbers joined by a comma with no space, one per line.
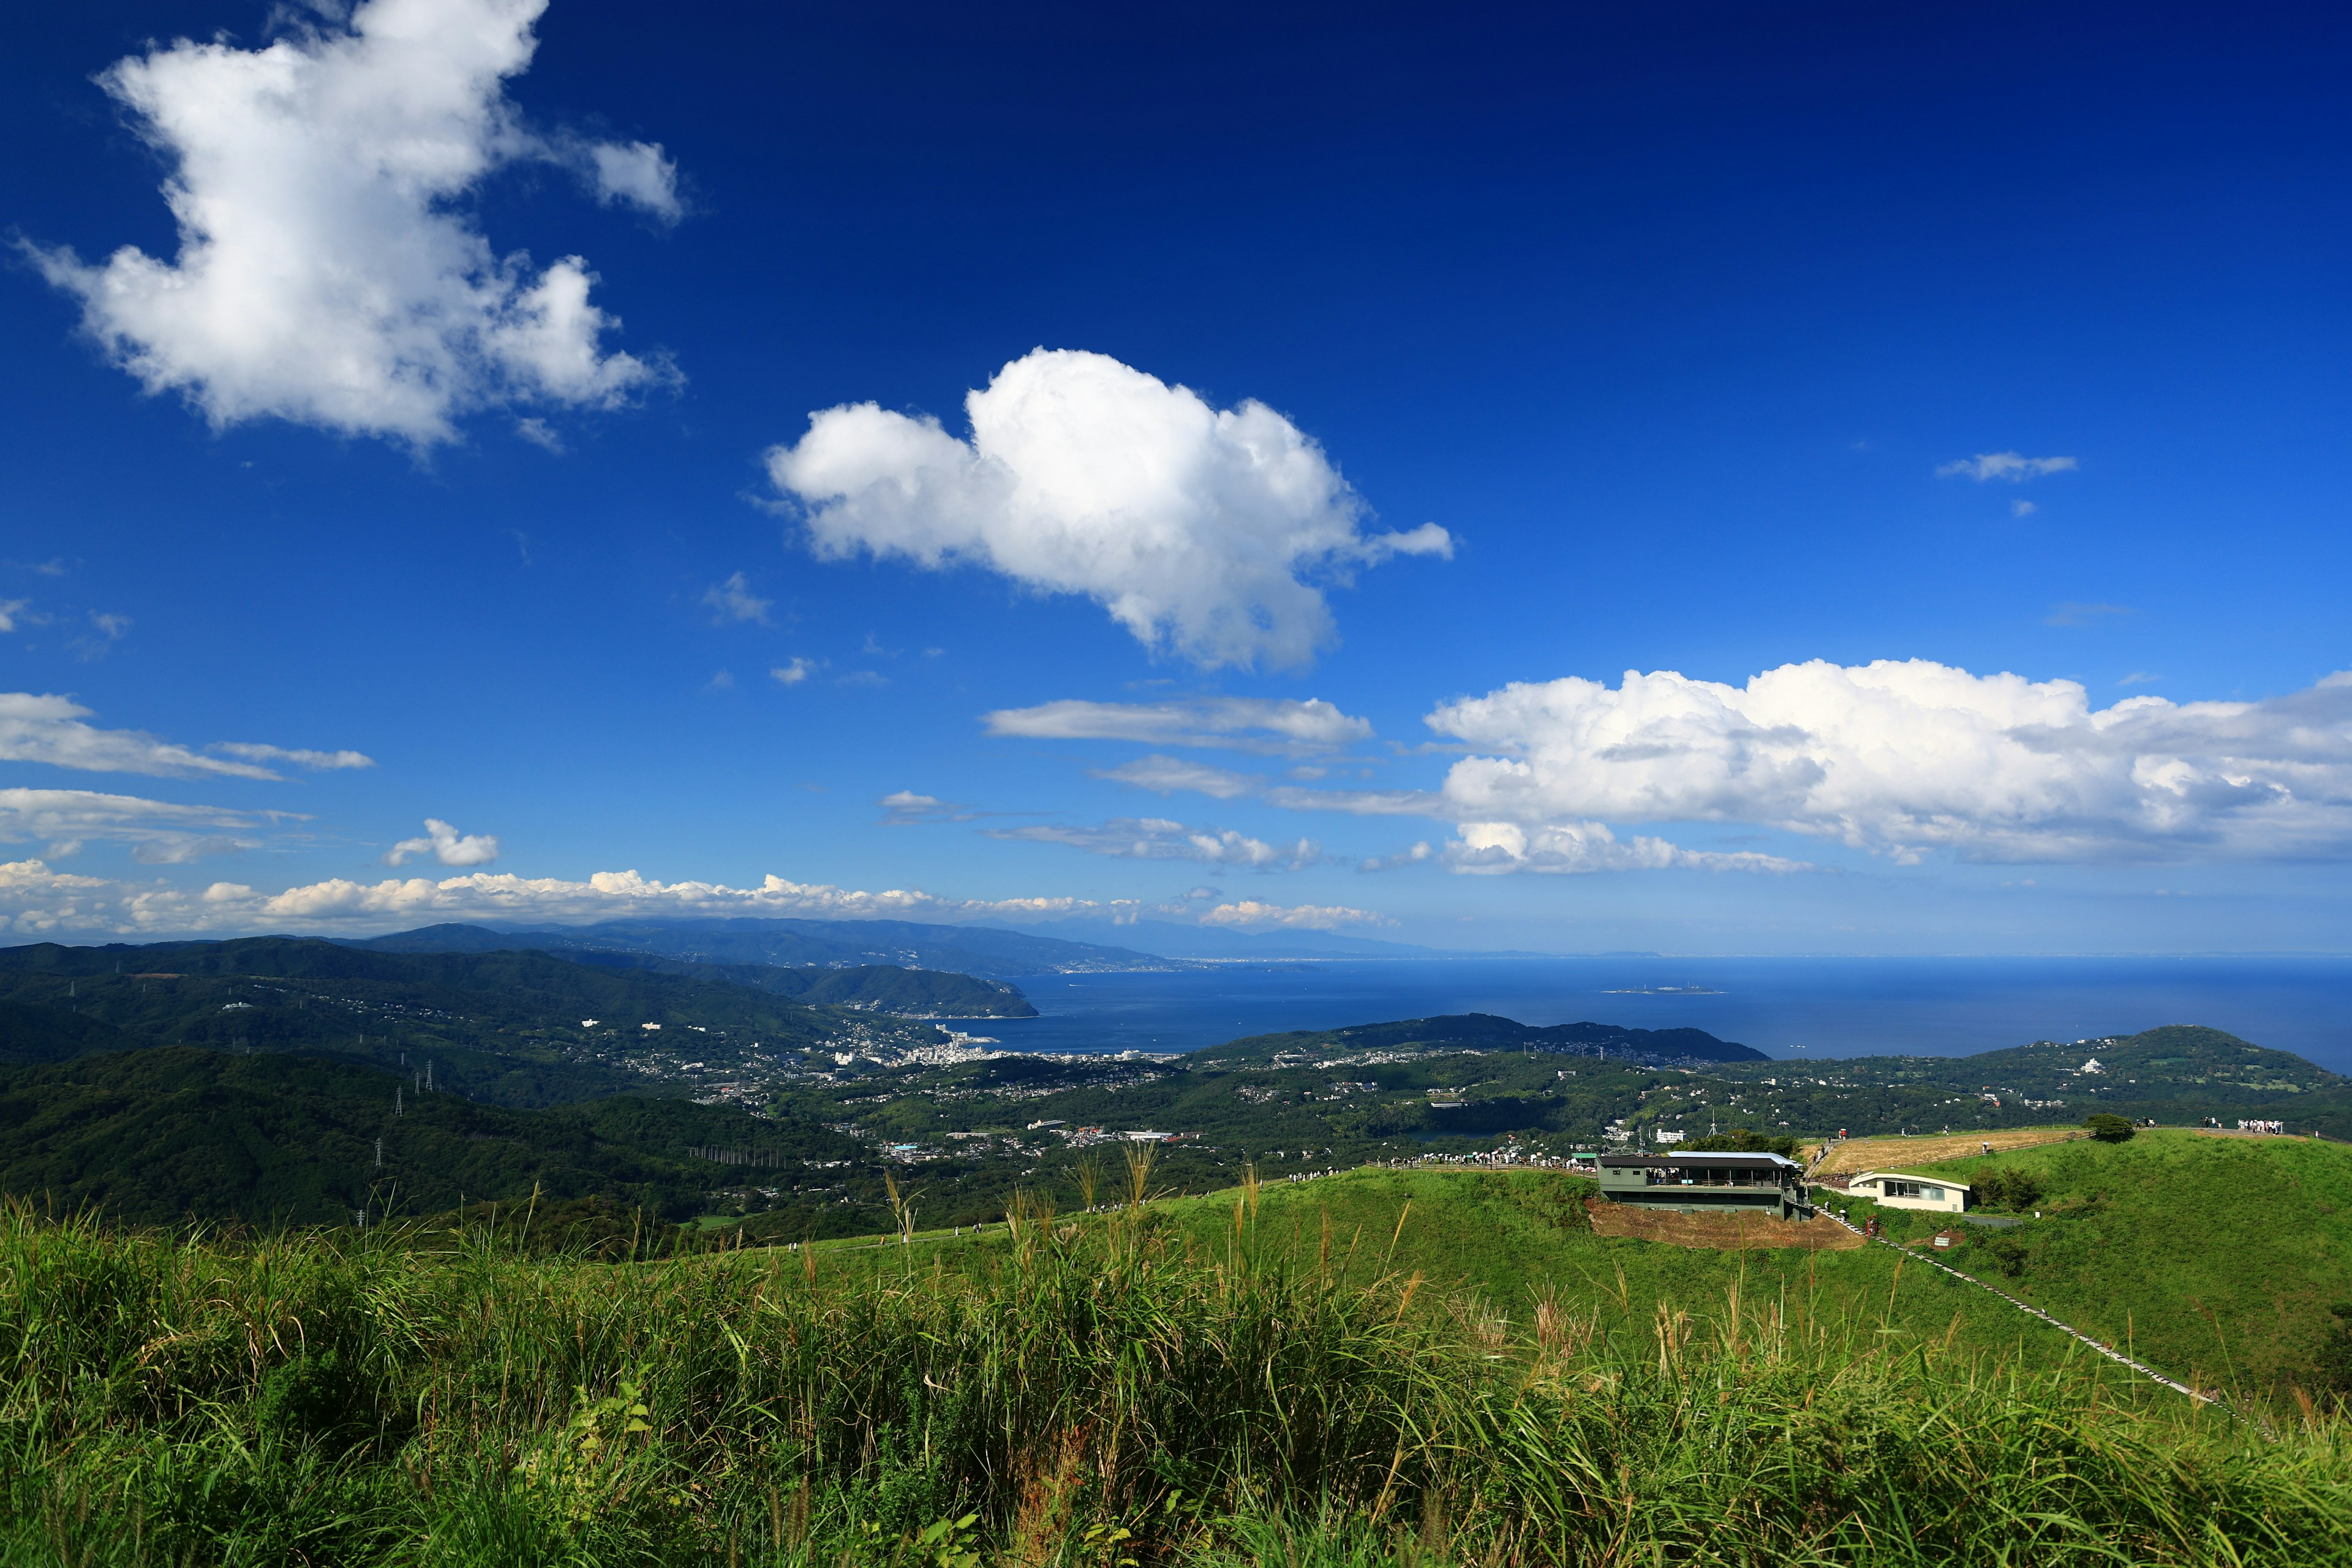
(1169,939)
(991,952)
(1486,1031)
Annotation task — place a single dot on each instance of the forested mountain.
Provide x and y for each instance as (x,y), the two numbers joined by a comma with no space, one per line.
(1486,1032)
(519,1028)
(157,1136)
(988,950)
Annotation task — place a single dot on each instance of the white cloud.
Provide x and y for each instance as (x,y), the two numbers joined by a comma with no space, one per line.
(1575,848)
(1158,838)
(904,808)
(2014,467)
(49,729)
(1165,775)
(327,272)
(636,174)
(734,601)
(1901,758)
(1202,530)
(1239,723)
(11,612)
(1414,856)
(1249,912)
(444,844)
(35,898)
(2021,509)
(792,674)
(159,832)
(318,762)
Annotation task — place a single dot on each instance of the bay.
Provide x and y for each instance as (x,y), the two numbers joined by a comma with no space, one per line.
(1795,1007)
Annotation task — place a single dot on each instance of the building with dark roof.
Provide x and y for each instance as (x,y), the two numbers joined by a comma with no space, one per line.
(1705,1182)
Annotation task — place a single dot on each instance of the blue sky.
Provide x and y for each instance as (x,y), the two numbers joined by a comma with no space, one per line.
(531,402)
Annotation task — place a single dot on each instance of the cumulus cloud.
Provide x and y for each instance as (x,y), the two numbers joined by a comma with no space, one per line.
(2014,467)
(444,844)
(1901,758)
(1206,531)
(1158,838)
(328,270)
(1237,724)
(12,610)
(792,674)
(159,832)
(35,898)
(50,728)
(1250,913)
(734,601)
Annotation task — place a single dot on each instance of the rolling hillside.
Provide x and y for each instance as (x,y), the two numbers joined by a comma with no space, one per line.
(160,1136)
(2218,1257)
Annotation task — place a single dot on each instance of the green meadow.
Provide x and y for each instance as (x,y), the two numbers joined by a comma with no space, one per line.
(2216,1259)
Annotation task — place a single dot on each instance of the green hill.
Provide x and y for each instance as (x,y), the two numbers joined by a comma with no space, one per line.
(1119,1391)
(170,1133)
(519,1028)
(2218,1257)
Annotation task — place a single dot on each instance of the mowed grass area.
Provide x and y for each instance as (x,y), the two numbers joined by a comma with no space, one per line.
(1901,1154)
(2216,1259)
(1503,1249)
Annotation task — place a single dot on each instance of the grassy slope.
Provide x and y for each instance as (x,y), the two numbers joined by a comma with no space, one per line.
(1507,1240)
(2216,1257)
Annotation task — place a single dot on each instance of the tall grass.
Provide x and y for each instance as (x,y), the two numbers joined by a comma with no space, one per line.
(1088,1393)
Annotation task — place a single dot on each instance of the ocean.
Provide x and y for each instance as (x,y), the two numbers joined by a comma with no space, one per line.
(1800,1008)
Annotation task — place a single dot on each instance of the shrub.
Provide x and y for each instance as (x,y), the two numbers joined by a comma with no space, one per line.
(2109,1128)
(2002,1188)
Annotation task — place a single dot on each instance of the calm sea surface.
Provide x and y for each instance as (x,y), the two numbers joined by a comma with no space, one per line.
(1796,1007)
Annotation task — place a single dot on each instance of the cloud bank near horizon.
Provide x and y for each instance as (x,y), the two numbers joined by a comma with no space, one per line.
(1208,533)
(38,900)
(327,273)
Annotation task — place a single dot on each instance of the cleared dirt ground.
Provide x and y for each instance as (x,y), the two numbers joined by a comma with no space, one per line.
(1894,1153)
(1731,1231)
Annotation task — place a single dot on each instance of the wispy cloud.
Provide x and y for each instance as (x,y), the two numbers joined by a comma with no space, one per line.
(1249,914)
(905,808)
(733,601)
(1158,838)
(2071,614)
(792,674)
(50,728)
(160,832)
(1271,725)
(2014,467)
(1167,775)
(317,761)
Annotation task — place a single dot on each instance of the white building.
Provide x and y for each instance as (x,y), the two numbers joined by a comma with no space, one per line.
(1898,1190)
